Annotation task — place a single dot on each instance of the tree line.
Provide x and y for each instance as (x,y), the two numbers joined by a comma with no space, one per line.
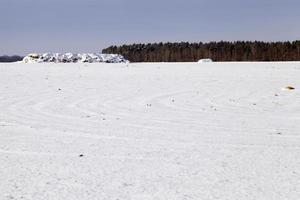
(10,58)
(217,51)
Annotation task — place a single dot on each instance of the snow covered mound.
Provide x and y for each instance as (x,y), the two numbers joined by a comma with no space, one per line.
(206,60)
(74,58)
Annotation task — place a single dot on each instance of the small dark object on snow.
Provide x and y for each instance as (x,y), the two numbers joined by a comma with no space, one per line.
(59,89)
(81,155)
(279,133)
(289,88)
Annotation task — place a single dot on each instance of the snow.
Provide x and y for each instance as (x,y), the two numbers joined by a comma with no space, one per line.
(206,60)
(74,58)
(149,131)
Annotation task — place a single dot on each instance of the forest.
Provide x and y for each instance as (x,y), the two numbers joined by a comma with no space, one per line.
(10,58)
(217,51)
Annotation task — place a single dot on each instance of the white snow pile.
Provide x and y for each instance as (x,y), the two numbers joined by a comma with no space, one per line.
(206,60)
(74,58)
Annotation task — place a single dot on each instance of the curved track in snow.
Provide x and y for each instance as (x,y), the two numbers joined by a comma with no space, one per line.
(150,131)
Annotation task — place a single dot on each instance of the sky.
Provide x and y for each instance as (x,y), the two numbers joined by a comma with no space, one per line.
(91,25)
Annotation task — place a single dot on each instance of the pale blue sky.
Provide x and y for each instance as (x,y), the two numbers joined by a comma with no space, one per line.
(90,25)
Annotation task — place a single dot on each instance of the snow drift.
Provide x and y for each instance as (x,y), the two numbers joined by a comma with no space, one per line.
(74,58)
(206,60)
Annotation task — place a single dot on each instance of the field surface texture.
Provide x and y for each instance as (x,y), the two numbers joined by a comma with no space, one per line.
(150,131)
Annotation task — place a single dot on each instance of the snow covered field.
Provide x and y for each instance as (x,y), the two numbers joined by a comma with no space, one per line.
(150,131)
